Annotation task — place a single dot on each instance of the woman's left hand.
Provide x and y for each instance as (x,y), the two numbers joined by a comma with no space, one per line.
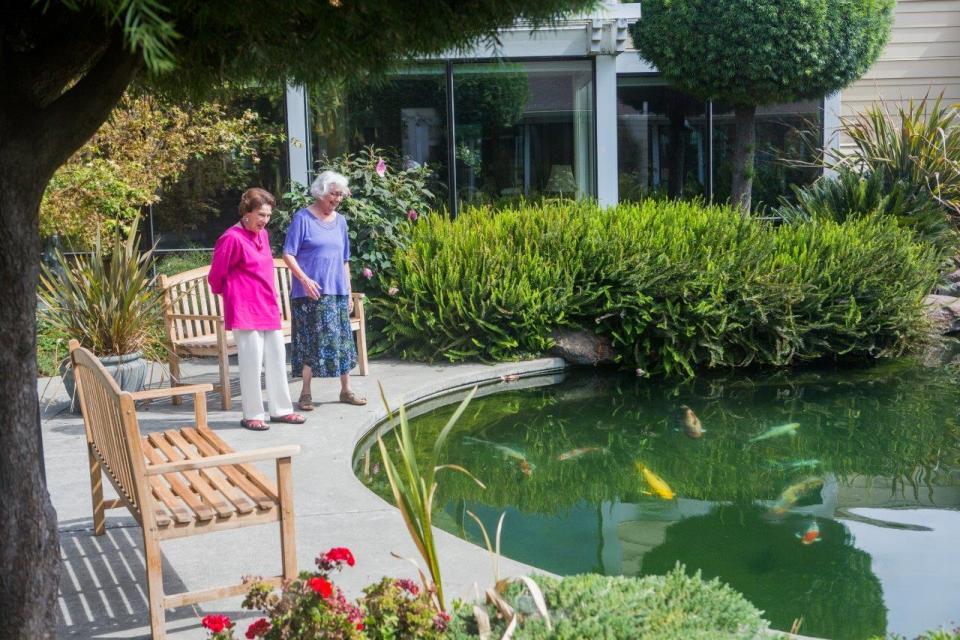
(350,303)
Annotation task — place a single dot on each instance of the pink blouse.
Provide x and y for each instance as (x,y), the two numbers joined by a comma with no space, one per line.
(242,272)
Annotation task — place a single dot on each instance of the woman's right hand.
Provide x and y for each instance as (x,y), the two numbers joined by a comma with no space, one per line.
(312,288)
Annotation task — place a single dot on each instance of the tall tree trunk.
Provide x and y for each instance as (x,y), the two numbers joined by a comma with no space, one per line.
(744,149)
(46,114)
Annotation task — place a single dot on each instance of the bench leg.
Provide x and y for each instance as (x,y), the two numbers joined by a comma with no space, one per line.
(288,537)
(362,348)
(175,375)
(96,493)
(151,548)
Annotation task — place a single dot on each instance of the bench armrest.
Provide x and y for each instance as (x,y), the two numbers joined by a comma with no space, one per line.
(194,316)
(166,392)
(237,457)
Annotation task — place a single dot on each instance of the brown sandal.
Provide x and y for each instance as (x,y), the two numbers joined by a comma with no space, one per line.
(350,397)
(305,403)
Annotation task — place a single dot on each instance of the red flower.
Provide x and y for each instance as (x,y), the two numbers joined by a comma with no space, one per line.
(258,629)
(407,585)
(359,626)
(217,623)
(320,586)
(340,554)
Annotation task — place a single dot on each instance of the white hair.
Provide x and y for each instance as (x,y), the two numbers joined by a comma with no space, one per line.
(322,183)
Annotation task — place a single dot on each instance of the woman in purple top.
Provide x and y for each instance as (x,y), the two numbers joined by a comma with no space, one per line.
(242,272)
(317,250)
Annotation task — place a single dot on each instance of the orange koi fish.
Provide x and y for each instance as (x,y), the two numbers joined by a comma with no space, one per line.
(690,421)
(811,535)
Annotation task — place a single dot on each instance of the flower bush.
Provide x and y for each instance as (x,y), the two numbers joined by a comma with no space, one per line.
(401,609)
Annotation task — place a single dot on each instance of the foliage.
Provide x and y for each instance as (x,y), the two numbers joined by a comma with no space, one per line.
(762,52)
(915,151)
(852,195)
(656,607)
(400,609)
(414,488)
(105,300)
(381,209)
(52,348)
(310,606)
(675,285)
(173,263)
(146,144)
(937,634)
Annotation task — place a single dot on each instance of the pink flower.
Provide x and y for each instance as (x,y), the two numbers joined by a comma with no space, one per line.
(320,586)
(381,168)
(258,629)
(392,291)
(441,621)
(216,623)
(407,585)
(412,215)
(367,273)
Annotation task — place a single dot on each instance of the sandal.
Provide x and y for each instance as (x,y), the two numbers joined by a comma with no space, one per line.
(305,403)
(254,425)
(349,397)
(290,418)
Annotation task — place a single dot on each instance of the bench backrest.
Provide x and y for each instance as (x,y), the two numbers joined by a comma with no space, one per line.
(110,421)
(188,294)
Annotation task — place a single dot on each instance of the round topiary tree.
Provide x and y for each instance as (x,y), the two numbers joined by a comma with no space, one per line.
(757,52)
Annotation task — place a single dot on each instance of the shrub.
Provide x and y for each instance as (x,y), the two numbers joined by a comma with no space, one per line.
(917,149)
(400,609)
(671,606)
(173,263)
(52,348)
(675,285)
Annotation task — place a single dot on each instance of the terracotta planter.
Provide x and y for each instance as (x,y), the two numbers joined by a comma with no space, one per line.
(129,370)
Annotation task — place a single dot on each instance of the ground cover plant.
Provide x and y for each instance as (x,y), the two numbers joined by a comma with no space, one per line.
(675,285)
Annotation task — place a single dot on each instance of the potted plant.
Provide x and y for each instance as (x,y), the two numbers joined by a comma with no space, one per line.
(107,301)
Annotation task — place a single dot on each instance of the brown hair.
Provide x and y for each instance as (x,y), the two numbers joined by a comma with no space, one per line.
(253,199)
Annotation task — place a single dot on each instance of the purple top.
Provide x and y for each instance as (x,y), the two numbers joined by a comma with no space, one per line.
(320,248)
(242,272)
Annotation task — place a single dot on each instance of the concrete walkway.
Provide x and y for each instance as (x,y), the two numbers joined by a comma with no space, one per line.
(102,591)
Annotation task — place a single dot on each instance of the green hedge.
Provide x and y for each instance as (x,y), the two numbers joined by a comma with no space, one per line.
(667,607)
(676,285)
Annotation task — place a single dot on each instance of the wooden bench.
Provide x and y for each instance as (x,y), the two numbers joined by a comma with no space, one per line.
(194,320)
(179,482)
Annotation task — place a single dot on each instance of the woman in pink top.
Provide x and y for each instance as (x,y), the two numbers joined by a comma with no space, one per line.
(242,272)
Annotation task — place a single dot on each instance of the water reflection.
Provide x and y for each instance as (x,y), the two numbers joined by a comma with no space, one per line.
(789,472)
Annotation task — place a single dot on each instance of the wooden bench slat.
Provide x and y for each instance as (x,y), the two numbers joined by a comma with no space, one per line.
(262,492)
(160,487)
(185,493)
(212,478)
(199,483)
(221,476)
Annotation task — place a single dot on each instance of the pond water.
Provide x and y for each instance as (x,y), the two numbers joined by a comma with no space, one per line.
(847,516)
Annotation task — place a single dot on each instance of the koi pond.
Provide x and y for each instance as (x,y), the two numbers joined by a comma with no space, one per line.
(831,497)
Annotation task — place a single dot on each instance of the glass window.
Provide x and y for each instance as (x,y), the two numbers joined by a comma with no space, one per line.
(661,134)
(785,135)
(405,114)
(524,129)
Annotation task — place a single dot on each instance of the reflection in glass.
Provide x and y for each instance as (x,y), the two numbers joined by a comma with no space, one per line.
(405,114)
(802,524)
(661,136)
(785,134)
(524,129)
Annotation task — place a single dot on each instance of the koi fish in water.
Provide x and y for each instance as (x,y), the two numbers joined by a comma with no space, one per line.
(657,484)
(773,432)
(576,453)
(525,467)
(794,492)
(690,421)
(811,535)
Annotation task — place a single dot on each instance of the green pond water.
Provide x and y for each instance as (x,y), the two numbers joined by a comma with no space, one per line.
(852,522)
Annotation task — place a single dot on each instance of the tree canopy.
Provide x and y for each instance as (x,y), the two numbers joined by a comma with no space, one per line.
(757,52)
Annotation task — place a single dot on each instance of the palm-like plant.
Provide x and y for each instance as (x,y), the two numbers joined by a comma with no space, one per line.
(106,299)
(414,486)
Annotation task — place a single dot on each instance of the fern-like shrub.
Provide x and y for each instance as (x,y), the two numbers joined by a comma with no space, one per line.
(667,607)
(676,285)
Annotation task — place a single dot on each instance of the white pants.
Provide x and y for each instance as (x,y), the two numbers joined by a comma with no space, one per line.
(256,349)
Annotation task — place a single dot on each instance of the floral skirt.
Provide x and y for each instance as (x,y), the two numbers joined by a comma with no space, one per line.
(321,337)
